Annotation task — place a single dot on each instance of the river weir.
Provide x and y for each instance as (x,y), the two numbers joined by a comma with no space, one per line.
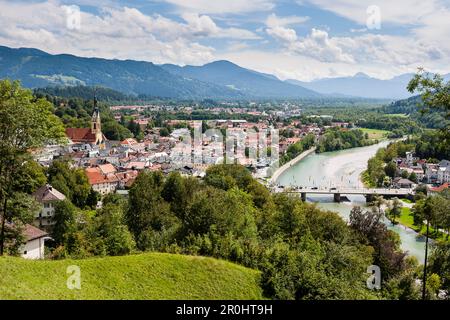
(343,169)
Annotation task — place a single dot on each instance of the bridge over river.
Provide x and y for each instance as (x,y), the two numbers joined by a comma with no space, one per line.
(369,193)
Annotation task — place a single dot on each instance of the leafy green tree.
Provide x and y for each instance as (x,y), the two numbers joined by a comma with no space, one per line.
(178,192)
(435,95)
(369,225)
(164,132)
(21,209)
(115,131)
(92,198)
(413,177)
(227,176)
(440,264)
(73,183)
(110,225)
(25,123)
(378,202)
(148,216)
(230,211)
(65,221)
(395,210)
(390,169)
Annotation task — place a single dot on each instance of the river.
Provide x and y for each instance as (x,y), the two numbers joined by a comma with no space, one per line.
(343,169)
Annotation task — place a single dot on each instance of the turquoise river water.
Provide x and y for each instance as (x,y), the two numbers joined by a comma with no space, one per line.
(343,168)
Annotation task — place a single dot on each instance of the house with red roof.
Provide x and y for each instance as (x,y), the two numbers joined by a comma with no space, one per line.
(92,135)
(100,182)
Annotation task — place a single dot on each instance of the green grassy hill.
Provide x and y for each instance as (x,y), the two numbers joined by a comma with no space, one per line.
(143,276)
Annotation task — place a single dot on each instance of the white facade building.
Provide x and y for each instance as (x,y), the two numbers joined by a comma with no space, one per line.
(48,197)
(34,247)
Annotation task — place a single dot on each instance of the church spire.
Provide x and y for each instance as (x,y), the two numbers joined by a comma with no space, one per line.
(96,125)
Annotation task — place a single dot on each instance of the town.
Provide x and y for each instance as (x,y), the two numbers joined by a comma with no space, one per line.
(213,151)
(190,147)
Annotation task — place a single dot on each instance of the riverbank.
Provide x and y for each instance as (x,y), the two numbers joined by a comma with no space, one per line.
(364,177)
(343,169)
(287,165)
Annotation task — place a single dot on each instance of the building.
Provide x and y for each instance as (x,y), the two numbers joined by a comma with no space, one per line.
(102,183)
(431,170)
(443,172)
(34,246)
(92,135)
(48,197)
(400,182)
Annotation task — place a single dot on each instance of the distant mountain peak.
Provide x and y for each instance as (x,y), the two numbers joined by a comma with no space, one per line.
(217,80)
(221,62)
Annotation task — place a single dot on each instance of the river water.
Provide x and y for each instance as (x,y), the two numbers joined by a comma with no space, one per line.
(343,169)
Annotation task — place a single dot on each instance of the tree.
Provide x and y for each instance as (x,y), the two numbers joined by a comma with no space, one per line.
(30,176)
(148,216)
(135,128)
(378,202)
(164,132)
(73,183)
(433,209)
(390,169)
(25,123)
(395,210)
(21,209)
(439,263)
(435,95)
(369,225)
(110,225)
(178,192)
(413,177)
(64,221)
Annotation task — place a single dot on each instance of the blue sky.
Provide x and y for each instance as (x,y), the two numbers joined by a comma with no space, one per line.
(299,39)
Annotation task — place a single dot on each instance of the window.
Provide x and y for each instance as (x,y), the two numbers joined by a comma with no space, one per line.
(25,252)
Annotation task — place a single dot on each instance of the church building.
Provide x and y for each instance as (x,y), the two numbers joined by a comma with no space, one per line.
(92,135)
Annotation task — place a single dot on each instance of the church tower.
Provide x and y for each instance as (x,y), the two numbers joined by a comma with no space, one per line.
(96,125)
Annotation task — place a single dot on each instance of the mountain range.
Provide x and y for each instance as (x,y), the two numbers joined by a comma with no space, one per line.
(362,85)
(248,82)
(216,80)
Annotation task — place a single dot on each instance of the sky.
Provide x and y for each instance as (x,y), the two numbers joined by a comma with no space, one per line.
(292,39)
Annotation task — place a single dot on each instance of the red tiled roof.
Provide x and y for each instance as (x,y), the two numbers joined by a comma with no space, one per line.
(80,135)
(440,188)
(128,141)
(96,177)
(32,232)
(107,168)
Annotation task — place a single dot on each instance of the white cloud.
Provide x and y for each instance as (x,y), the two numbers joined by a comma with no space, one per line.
(320,46)
(200,25)
(274,21)
(237,46)
(124,33)
(128,33)
(223,6)
(317,44)
(283,34)
(203,25)
(428,20)
(399,11)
